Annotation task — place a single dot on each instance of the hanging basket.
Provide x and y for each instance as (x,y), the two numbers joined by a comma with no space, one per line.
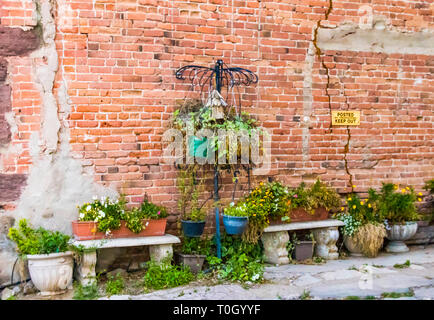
(234,225)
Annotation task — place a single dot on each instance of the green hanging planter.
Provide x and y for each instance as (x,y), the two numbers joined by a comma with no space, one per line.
(198,147)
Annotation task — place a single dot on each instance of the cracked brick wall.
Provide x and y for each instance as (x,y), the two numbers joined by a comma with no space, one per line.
(117,61)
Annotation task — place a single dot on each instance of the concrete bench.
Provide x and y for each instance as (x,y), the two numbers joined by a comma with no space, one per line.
(275,239)
(160,248)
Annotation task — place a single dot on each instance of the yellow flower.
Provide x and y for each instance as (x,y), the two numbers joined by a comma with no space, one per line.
(407,188)
(349,199)
(354,186)
(354,206)
(362,203)
(420,193)
(93,230)
(402,190)
(419,199)
(369,205)
(395,186)
(342,208)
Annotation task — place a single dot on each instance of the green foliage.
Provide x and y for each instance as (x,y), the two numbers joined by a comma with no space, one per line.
(114,285)
(88,292)
(305,295)
(404,265)
(37,241)
(397,206)
(189,187)
(396,295)
(165,275)
(320,195)
(429,186)
(148,210)
(196,245)
(239,210)
(240,261)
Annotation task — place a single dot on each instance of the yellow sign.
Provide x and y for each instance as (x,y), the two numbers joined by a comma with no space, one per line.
(345,118)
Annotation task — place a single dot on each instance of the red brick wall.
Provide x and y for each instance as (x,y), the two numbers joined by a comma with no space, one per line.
(118,59)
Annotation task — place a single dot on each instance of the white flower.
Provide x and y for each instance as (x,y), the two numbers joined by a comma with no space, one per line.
(255,277)
(146,223)
(95,198)
(101,214)
(88,208)
(108,232)
(96,219)
(81,215)
(232,204)
(103,198)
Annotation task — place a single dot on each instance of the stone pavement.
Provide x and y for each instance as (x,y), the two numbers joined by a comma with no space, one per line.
(354,277)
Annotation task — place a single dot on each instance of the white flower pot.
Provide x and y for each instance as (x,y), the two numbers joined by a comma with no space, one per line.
(51,273)
(397,234)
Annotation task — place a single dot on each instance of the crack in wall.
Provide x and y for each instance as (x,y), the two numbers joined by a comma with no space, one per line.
(319,54)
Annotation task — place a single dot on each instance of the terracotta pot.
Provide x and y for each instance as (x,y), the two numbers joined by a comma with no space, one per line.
(301,215)
(82,230)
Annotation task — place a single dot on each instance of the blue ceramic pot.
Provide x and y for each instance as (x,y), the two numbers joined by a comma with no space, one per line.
(234,225)
(192,228)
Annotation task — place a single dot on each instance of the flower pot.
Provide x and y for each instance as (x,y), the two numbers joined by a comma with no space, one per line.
(51,273)
(192,228)
(352,246)
(198,147)
(301,215)
(303,250)
(397,234)
(193,261)
(86,230)
(234,225)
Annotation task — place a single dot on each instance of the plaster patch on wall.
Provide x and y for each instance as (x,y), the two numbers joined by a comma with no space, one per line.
(380,38)
(307,99)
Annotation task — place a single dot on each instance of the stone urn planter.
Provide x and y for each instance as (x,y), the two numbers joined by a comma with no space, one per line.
(352,247)
(397,234)
(51,273)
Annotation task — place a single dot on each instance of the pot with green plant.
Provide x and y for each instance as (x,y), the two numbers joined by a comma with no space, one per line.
(312,203)
(397,206)
(235,218)
(193,253)
(50,262)
(192,213)
(363,228)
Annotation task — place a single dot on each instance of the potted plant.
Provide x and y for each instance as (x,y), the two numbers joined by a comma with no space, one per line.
(301,250)
(235,218)
(109,218)
(313,203)
(363,228)
(397,206)
(192,214)
(268,201)
(49,261)
(193,253)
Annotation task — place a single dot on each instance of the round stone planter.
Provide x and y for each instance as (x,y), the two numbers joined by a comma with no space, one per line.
(51,273)
(352,247)
(397,234)
(234,225)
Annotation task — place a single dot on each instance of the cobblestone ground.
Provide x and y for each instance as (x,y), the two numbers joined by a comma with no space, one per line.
(351,278)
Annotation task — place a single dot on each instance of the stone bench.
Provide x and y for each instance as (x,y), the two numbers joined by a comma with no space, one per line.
(160,248)
(275,239)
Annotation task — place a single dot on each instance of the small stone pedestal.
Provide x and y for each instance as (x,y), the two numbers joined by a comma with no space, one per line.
(326,239)
(275,250)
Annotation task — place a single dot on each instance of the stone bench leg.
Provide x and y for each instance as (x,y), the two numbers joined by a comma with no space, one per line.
(275,250)
(86,268)
(161,252)
(325,246)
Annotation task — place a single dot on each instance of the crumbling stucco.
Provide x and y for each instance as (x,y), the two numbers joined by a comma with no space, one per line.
(56,183)
(378,38)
